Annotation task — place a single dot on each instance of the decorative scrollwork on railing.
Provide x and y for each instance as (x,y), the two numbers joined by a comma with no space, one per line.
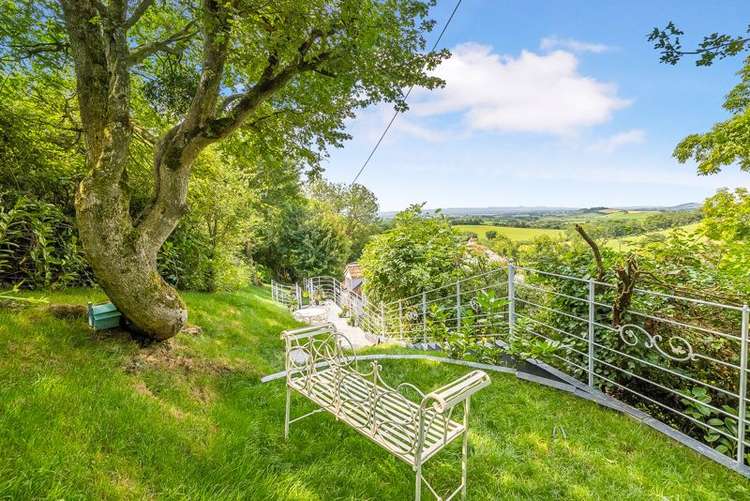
(474,303)
(680,349)
(335,349)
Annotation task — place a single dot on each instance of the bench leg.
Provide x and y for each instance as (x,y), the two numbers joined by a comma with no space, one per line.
(286,412)
(465,450)
(418,489)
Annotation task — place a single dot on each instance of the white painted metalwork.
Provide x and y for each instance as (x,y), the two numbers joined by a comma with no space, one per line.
(680,349)
(688,342)
(741,423)
(591,331)
(284,294)
(511,298)
(321,366)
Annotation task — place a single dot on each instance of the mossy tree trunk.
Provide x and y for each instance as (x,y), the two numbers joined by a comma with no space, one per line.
(123,250)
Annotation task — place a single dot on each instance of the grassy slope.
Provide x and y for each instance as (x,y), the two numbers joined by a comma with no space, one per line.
(515,234)
(633,242)
(85,417)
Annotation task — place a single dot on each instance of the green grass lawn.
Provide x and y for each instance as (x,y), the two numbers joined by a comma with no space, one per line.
(515,234)
(97,417)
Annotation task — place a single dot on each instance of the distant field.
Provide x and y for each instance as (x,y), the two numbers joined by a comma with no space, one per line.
(515,234)
(606,214)
(529,234)
(628,243)
(628,214)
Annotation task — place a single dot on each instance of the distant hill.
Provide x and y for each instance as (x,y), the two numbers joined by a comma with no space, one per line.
(540,210)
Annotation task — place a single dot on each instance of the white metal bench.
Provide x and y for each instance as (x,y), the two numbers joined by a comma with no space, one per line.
(321,366)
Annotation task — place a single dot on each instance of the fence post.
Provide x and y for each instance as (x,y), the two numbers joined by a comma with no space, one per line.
(511,297)
(400,319)
(298,292)
(458,304)
(273,290)
(592,319)
(382,319)
(424,316)
(742,414)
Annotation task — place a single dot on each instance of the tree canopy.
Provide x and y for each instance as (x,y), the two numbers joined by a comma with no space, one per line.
(149,85)
(728,141)
(357,205)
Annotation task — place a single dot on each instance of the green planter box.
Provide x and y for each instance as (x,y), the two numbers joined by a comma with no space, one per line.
(104,316)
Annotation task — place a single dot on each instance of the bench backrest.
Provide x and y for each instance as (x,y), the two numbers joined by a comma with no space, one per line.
(311,348)
(314,348)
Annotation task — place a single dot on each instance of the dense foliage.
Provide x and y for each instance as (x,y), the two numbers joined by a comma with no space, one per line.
(313,242)
(727,221)
(417,254)
(357,205)
(151,87)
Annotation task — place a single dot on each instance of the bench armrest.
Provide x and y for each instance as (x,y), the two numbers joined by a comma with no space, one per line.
(456,392)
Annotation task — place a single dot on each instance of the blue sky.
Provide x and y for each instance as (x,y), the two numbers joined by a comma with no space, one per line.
(552,103)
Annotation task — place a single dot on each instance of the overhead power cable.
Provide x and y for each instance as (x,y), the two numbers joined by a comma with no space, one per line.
(406,96)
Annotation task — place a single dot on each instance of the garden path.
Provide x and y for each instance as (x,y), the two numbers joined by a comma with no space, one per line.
(330,312)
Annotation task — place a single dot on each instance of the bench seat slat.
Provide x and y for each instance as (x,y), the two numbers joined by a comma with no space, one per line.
(399,439)
(434,433)
(402,407)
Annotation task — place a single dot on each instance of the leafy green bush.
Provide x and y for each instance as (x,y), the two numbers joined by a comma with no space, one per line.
(39,246)
(417,254)
(309,240)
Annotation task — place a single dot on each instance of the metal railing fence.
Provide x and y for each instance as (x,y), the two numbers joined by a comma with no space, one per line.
(682,360)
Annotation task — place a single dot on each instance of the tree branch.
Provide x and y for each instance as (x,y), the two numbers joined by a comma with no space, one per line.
(38,48)
(179,147)
(142,52)
(229,100)
(627,276)
(270,81)
(595,250)
(138,12)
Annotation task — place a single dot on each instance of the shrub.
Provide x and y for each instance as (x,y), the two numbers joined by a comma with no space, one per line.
(418,253)
(39,246)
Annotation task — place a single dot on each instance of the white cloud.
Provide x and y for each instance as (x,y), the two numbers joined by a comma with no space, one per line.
(369,125)
(410,128)
(529,93)
(552,43)
(614,142)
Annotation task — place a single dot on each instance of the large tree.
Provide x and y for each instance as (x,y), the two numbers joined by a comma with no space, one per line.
(355,203)
(290,69)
